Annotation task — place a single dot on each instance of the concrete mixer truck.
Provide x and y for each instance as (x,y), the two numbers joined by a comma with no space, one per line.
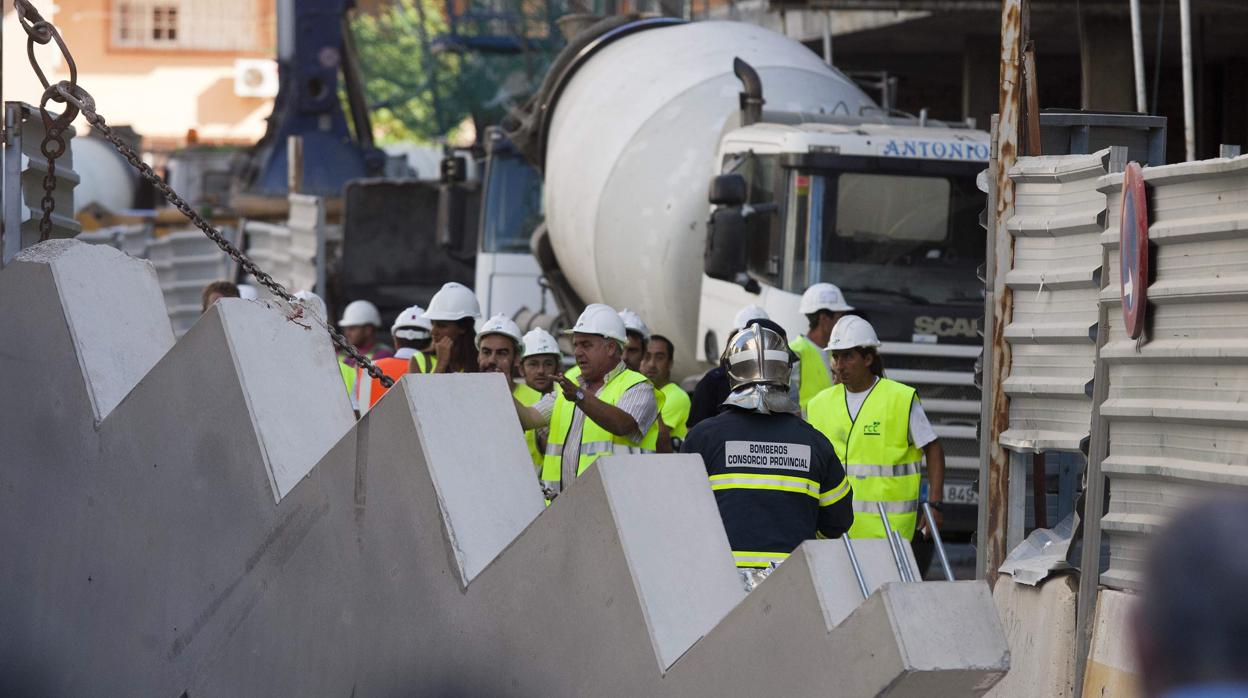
(809,181)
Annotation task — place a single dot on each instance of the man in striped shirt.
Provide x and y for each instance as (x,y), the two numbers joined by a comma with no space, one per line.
(776,479)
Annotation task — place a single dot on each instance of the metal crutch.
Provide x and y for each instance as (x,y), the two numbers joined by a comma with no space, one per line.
(898,553)
(853,561)
(940,544)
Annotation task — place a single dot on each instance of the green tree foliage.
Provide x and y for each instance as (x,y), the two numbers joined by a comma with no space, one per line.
(418,94)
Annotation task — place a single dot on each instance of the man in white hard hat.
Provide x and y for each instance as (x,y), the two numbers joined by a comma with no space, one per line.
(638,334)
(612,409)
(453,312)
(776,480)
(499,345)
(823,305)
(880,433)
(359,322)
(674,415)
(411,336)
(539,364)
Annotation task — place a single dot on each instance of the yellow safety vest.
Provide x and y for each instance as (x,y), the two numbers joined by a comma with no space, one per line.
(676,406)
(529,397)
(424,362)
(595,440)
(880,462)
(815,374)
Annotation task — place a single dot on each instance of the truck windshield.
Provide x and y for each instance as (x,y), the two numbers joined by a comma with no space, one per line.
(908,233)
(513,204)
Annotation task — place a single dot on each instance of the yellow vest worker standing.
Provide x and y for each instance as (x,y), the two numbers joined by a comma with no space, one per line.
(823,305)
(880,433)
(656,365)
(538,367)
(612,409)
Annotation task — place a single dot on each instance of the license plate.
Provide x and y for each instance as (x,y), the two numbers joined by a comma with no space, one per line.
(961,494)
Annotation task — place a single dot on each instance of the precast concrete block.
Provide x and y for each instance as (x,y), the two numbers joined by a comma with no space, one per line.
(907,639)
(227,530)
(478,463)
(292,383)
(1039,623)
(839,594)
(1111,668)
(106,300)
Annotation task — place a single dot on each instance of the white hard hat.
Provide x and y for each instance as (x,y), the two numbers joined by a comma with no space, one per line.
(411,324)
(824,297)
(454,301)
(360,313)
(749,312)
(248,292)
(539,342)
(601,320)
(501,324)
(852,331)
(634,323)
(313,302)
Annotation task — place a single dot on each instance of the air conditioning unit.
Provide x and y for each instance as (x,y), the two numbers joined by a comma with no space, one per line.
(255,77)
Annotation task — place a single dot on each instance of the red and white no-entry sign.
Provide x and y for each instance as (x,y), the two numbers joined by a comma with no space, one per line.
(1133,250)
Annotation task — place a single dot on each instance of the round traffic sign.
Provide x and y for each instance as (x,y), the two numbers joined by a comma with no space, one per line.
(1133,250)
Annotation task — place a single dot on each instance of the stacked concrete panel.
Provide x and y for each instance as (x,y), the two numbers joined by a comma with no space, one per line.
(1178,426)
(216,524)
(186,261)
(1059,216)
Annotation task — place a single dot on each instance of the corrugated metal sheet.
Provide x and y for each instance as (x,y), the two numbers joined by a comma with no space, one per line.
(1177,403)
(1059,215)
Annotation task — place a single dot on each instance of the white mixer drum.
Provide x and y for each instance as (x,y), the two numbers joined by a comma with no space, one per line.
(631,151)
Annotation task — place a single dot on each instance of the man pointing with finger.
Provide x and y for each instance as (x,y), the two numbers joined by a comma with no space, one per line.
(611,409)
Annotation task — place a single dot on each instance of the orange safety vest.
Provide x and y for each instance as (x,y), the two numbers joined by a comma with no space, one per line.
(392,367)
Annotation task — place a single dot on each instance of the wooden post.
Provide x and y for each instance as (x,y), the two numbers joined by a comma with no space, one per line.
(992,535)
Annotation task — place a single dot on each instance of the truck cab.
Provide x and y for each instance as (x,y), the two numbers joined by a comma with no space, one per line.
(508,278)
(888,210)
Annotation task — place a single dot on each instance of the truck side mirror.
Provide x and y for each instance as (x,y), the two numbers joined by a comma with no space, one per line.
(727,190)
(456,224)
(725,254)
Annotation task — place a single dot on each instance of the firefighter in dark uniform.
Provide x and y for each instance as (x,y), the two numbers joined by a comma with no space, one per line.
(776,479)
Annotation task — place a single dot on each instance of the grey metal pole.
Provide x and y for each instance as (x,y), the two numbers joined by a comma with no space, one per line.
(908,573)
(1137,52)
(853,561)
(898,553)
(1189,99)
(936,539)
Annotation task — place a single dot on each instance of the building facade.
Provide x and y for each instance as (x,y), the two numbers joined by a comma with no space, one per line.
(169,69)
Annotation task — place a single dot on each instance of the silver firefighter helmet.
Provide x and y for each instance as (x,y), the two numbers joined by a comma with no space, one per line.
(757,355)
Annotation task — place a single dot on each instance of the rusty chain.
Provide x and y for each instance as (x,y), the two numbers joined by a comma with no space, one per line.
(78,100)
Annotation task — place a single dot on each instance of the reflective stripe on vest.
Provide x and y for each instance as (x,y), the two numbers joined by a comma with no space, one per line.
(816,376)
(750,558)
(596,441)
(528,397)
(775,483)
(882,465)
